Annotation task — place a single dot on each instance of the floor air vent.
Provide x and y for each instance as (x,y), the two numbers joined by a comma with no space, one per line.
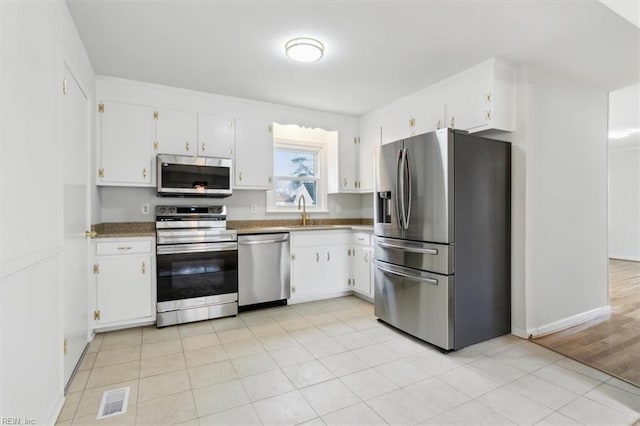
(114,402)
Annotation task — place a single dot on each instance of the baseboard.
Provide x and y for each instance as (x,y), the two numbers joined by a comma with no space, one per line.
(57,408)
(317,297)
(568,322)
(519,332)
(628,259)
(362,296)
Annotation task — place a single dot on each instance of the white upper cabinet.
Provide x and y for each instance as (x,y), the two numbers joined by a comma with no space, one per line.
(483,98)
(477,99)
(253,155)
(125,144)
(368,141)
(343,165)
(215,136)
(176,132)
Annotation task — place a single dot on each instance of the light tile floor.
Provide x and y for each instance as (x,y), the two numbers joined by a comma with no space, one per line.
(331,362)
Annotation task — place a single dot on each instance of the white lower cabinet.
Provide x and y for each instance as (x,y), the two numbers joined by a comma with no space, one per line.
(319,264)
(125,281)
(361,280)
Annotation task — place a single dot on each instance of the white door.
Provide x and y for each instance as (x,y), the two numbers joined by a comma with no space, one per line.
(124,288)
(336,267)
(368,142)
(75,190)
(215,136)
(176,132)
(254,154)
(361,269)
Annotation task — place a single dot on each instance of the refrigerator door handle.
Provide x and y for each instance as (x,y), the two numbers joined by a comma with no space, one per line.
(403,188)
(409,249)
(407,174)
(398,193)
(410,276)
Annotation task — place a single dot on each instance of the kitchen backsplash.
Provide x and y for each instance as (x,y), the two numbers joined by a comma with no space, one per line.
(119,204)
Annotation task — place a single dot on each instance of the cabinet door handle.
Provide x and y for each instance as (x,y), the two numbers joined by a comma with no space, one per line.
(317,257)
(453,122)
(186,145)
(293,289)
(230,151)
(144,173)
(240,176)
(122,248)
(328,256)
(144,268)
(366,258)
(203,148)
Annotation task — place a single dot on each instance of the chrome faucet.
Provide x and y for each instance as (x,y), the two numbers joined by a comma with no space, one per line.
(304,210)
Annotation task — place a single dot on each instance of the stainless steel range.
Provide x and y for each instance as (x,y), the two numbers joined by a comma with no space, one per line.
(197,264)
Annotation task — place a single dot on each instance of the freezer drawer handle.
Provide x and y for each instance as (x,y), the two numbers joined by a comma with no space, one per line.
(411,249)
(411,277)
(255,242)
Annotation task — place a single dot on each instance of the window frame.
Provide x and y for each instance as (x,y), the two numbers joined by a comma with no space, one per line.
(320,150)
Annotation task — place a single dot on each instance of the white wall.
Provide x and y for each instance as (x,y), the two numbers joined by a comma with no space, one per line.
(124,204)
(624,173)
(624,203)
(34,37)
(565,139)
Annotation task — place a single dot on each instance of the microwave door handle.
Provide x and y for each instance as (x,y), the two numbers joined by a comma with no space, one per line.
(407,174)
(397,191)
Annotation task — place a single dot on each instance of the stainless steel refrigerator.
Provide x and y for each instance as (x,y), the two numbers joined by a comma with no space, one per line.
(442,207)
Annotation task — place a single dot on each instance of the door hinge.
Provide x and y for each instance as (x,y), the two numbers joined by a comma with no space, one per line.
(293,289)
(412,122)
(155,146)
(64,89)
(270,128)
(293,257)
(156,115)
(488,115)
(487,97)
(100,107)
(96,268)
(101,173)
(96,315)
(64,346)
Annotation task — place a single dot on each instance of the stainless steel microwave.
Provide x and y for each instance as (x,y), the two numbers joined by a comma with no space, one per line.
(184,176)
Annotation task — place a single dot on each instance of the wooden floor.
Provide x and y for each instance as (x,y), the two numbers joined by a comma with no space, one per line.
(610,343)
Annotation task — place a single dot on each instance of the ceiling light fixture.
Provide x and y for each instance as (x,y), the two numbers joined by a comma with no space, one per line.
(304,49)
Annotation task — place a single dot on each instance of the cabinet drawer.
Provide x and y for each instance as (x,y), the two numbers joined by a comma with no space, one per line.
(361,238)
(319,238)
(123,247)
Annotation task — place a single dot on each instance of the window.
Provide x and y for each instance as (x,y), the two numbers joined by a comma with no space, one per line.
(299,168)
(296,174)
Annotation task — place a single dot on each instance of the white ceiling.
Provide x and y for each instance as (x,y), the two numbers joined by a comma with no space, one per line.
(375,51)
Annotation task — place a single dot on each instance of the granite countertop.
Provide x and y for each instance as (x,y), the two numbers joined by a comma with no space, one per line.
(125,229)
(243,227)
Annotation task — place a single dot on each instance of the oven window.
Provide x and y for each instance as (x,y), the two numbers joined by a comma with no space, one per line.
(188,275)
(185,176)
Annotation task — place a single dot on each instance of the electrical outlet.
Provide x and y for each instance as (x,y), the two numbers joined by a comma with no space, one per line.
(254,208)
(145,208)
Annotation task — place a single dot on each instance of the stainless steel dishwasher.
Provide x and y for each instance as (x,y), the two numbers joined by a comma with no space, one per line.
(263,270)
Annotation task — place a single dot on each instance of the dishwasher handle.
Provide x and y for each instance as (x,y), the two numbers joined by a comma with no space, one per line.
(256,242)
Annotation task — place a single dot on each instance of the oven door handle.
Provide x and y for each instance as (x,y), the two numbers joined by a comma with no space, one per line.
(196,248)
